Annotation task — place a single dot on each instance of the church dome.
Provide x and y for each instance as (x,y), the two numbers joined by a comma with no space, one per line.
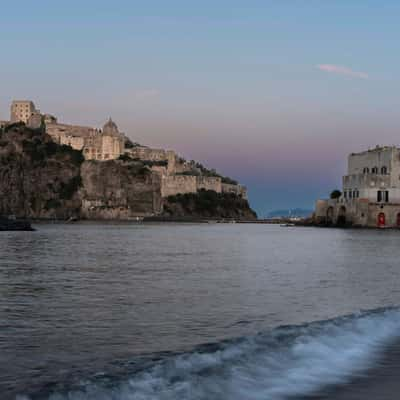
(110,128)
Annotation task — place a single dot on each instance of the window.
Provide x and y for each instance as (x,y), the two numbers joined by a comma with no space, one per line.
(366,170)
(350,193)
(345,194)
(375,170)
(383,196)
(384,170)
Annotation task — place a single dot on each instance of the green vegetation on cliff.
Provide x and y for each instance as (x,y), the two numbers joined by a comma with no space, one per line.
(198,169)
(38,178)
(208,204)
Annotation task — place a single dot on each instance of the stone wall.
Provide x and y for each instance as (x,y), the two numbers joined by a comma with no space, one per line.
(57,131)
(76,142)
(148,154)
(391,212)
(238,190)
(174,184)
(209,183)
(356,212)
(378,157)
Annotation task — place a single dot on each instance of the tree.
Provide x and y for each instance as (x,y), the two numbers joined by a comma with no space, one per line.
(335,194)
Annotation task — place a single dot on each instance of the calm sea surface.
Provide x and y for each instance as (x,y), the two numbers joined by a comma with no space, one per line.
(203,311)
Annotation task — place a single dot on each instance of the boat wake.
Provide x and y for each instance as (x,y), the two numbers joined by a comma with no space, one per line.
(286,362)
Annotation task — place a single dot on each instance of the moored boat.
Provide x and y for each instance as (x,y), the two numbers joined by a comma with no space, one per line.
(13,224)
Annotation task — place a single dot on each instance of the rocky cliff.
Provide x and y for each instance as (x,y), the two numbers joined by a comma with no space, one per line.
(119,190)
(41,179)
(38,178)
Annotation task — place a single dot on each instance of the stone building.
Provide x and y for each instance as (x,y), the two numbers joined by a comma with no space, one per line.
(370,191)
(105,144)
(22,111)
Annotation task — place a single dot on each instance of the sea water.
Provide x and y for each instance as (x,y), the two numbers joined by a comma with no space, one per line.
(192,311)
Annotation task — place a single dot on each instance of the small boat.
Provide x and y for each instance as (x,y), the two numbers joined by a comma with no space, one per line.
(287,225)
(14,224)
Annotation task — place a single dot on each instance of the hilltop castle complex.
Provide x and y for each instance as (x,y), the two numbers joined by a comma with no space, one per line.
(370,195)
(176,174)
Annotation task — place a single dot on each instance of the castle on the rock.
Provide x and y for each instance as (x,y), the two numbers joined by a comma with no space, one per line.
(370,195)
(97,144)
(177,175)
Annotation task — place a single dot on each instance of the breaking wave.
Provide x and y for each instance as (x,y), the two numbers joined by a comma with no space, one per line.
(287,361)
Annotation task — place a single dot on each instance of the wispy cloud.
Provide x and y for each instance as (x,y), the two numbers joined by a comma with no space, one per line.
(341,70)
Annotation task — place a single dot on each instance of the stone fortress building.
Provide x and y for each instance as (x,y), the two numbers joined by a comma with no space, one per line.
(370,194)
(177,175)
(22,110)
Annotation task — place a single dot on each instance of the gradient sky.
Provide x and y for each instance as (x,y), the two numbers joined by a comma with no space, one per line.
(274,93)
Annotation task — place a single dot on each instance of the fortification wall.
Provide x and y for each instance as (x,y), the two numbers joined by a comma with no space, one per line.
(182,166)
(148,154)
(174,184)
(209,183)
(238,190)
(56,131)
(75,142)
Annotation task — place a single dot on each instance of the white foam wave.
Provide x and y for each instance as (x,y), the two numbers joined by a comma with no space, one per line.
(286,362)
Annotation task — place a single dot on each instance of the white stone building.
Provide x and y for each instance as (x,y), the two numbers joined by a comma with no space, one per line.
(370,191)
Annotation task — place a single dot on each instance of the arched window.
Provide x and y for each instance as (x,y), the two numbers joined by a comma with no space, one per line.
(366,170)
(384,170)
(375,170)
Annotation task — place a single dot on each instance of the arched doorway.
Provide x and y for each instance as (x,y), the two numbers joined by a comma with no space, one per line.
(329,216)
(398,220)
(341,221)
(381,220)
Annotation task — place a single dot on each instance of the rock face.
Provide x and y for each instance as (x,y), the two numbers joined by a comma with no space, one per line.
(41,179)
(38,178)
(119,190)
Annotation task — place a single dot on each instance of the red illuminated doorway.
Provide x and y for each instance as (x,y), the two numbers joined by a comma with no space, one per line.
(381,220)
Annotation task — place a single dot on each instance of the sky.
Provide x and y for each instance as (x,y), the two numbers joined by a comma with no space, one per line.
(273,93)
